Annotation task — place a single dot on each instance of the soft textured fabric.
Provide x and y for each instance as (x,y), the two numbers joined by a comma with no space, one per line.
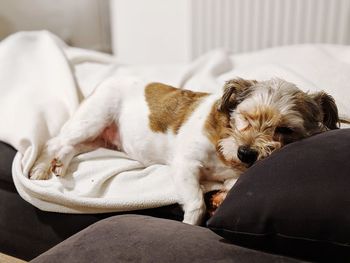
(296,202)
(133,238)
(26,232)
(42,82)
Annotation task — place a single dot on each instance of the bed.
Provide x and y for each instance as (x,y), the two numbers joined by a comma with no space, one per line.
(42,83)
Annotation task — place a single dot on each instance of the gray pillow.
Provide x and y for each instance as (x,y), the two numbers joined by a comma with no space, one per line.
(136,238)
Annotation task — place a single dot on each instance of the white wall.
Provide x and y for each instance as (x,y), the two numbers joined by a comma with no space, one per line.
(151,31)
(83,23)
(173,31)
(170,31)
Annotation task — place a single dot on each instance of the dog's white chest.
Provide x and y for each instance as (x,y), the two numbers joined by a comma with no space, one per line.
(215,170)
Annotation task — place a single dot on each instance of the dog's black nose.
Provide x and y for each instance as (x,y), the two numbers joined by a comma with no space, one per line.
(247,155)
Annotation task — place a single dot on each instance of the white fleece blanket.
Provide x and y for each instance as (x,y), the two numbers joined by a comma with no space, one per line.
(42,82)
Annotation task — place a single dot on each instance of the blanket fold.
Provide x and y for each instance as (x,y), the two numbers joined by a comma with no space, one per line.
(42,82)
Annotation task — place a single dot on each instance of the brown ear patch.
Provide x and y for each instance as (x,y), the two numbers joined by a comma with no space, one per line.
(329,109)
(235,91)
(170,107)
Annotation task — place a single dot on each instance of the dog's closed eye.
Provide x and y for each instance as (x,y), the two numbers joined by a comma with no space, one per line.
(284,130)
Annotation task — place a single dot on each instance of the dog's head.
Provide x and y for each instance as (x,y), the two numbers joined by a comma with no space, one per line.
(265,116)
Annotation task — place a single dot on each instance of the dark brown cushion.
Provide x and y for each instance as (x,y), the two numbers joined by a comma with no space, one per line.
(7,153)
(135,238)
(296,202)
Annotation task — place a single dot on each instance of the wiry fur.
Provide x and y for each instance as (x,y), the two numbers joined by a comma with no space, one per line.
(200,146)
(277,103)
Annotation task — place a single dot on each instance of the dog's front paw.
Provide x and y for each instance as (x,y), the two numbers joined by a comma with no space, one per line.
(40,171)
(194,215)
(43,170)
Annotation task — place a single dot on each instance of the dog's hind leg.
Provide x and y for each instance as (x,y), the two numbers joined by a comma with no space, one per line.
(81,133)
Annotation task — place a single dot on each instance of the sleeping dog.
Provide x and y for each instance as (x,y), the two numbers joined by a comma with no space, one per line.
(205,139)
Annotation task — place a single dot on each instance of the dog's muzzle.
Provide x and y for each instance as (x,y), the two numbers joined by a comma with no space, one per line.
(247,155)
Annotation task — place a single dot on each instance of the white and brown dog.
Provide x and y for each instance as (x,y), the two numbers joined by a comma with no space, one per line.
(200,136)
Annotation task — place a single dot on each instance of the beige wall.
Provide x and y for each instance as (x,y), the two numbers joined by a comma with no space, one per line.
(82,23)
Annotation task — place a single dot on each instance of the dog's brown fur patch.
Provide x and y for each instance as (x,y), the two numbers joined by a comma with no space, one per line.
(217,127)
(235,91)
(309,110)
(259,132)
(263,118)
(170,107)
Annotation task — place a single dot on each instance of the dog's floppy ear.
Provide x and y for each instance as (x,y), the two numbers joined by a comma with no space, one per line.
(235,91)
(328,108)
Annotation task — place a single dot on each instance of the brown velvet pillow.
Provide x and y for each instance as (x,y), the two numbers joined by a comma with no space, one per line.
(296,202)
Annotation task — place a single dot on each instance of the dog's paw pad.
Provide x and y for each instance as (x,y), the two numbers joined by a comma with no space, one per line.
(56,167)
